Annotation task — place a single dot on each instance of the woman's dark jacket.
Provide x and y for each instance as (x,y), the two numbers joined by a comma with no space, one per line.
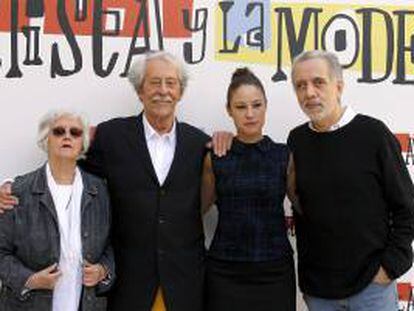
(30,241)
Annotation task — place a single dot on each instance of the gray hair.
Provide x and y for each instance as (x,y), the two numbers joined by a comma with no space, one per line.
(136,73)
(47,121)
(335,68)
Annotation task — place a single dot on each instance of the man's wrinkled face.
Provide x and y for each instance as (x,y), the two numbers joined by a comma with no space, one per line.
(160,90)
(318,92)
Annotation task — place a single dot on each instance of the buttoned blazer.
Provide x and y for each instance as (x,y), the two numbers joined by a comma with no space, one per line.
(157,229)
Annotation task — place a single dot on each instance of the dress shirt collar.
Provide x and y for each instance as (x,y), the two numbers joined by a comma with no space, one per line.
(346,117)
(151,133)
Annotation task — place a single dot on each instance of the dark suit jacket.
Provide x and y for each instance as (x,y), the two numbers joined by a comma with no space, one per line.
(157,231)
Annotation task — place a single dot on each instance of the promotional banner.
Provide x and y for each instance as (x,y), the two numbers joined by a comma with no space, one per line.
(77,53)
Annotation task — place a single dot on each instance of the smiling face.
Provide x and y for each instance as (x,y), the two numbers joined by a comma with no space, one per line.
(317,91)
(65,139)
(160,90)
(247,107)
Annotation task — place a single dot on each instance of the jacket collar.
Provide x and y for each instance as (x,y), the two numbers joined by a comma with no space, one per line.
(41,188)
(40,182)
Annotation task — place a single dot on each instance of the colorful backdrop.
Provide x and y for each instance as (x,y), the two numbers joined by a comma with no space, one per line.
(75,53)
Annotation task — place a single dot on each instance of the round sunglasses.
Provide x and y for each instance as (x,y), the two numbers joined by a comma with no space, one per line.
(61,131)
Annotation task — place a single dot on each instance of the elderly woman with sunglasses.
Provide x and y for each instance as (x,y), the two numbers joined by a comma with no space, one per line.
(54,246)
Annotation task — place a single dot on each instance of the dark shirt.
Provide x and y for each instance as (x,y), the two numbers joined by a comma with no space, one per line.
(251,187)
(357,201)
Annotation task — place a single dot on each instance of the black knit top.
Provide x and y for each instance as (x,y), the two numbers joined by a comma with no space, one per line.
(357,200)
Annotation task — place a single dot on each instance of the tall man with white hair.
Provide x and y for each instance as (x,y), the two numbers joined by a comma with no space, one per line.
(353,195)
(152,164)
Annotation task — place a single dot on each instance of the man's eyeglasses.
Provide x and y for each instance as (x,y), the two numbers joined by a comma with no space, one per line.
(60,131)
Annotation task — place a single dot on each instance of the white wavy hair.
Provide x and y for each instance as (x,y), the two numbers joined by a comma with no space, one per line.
(47,121)
(137,70)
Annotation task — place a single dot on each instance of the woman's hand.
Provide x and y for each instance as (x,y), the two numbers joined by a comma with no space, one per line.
(44,279)
(93,274)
